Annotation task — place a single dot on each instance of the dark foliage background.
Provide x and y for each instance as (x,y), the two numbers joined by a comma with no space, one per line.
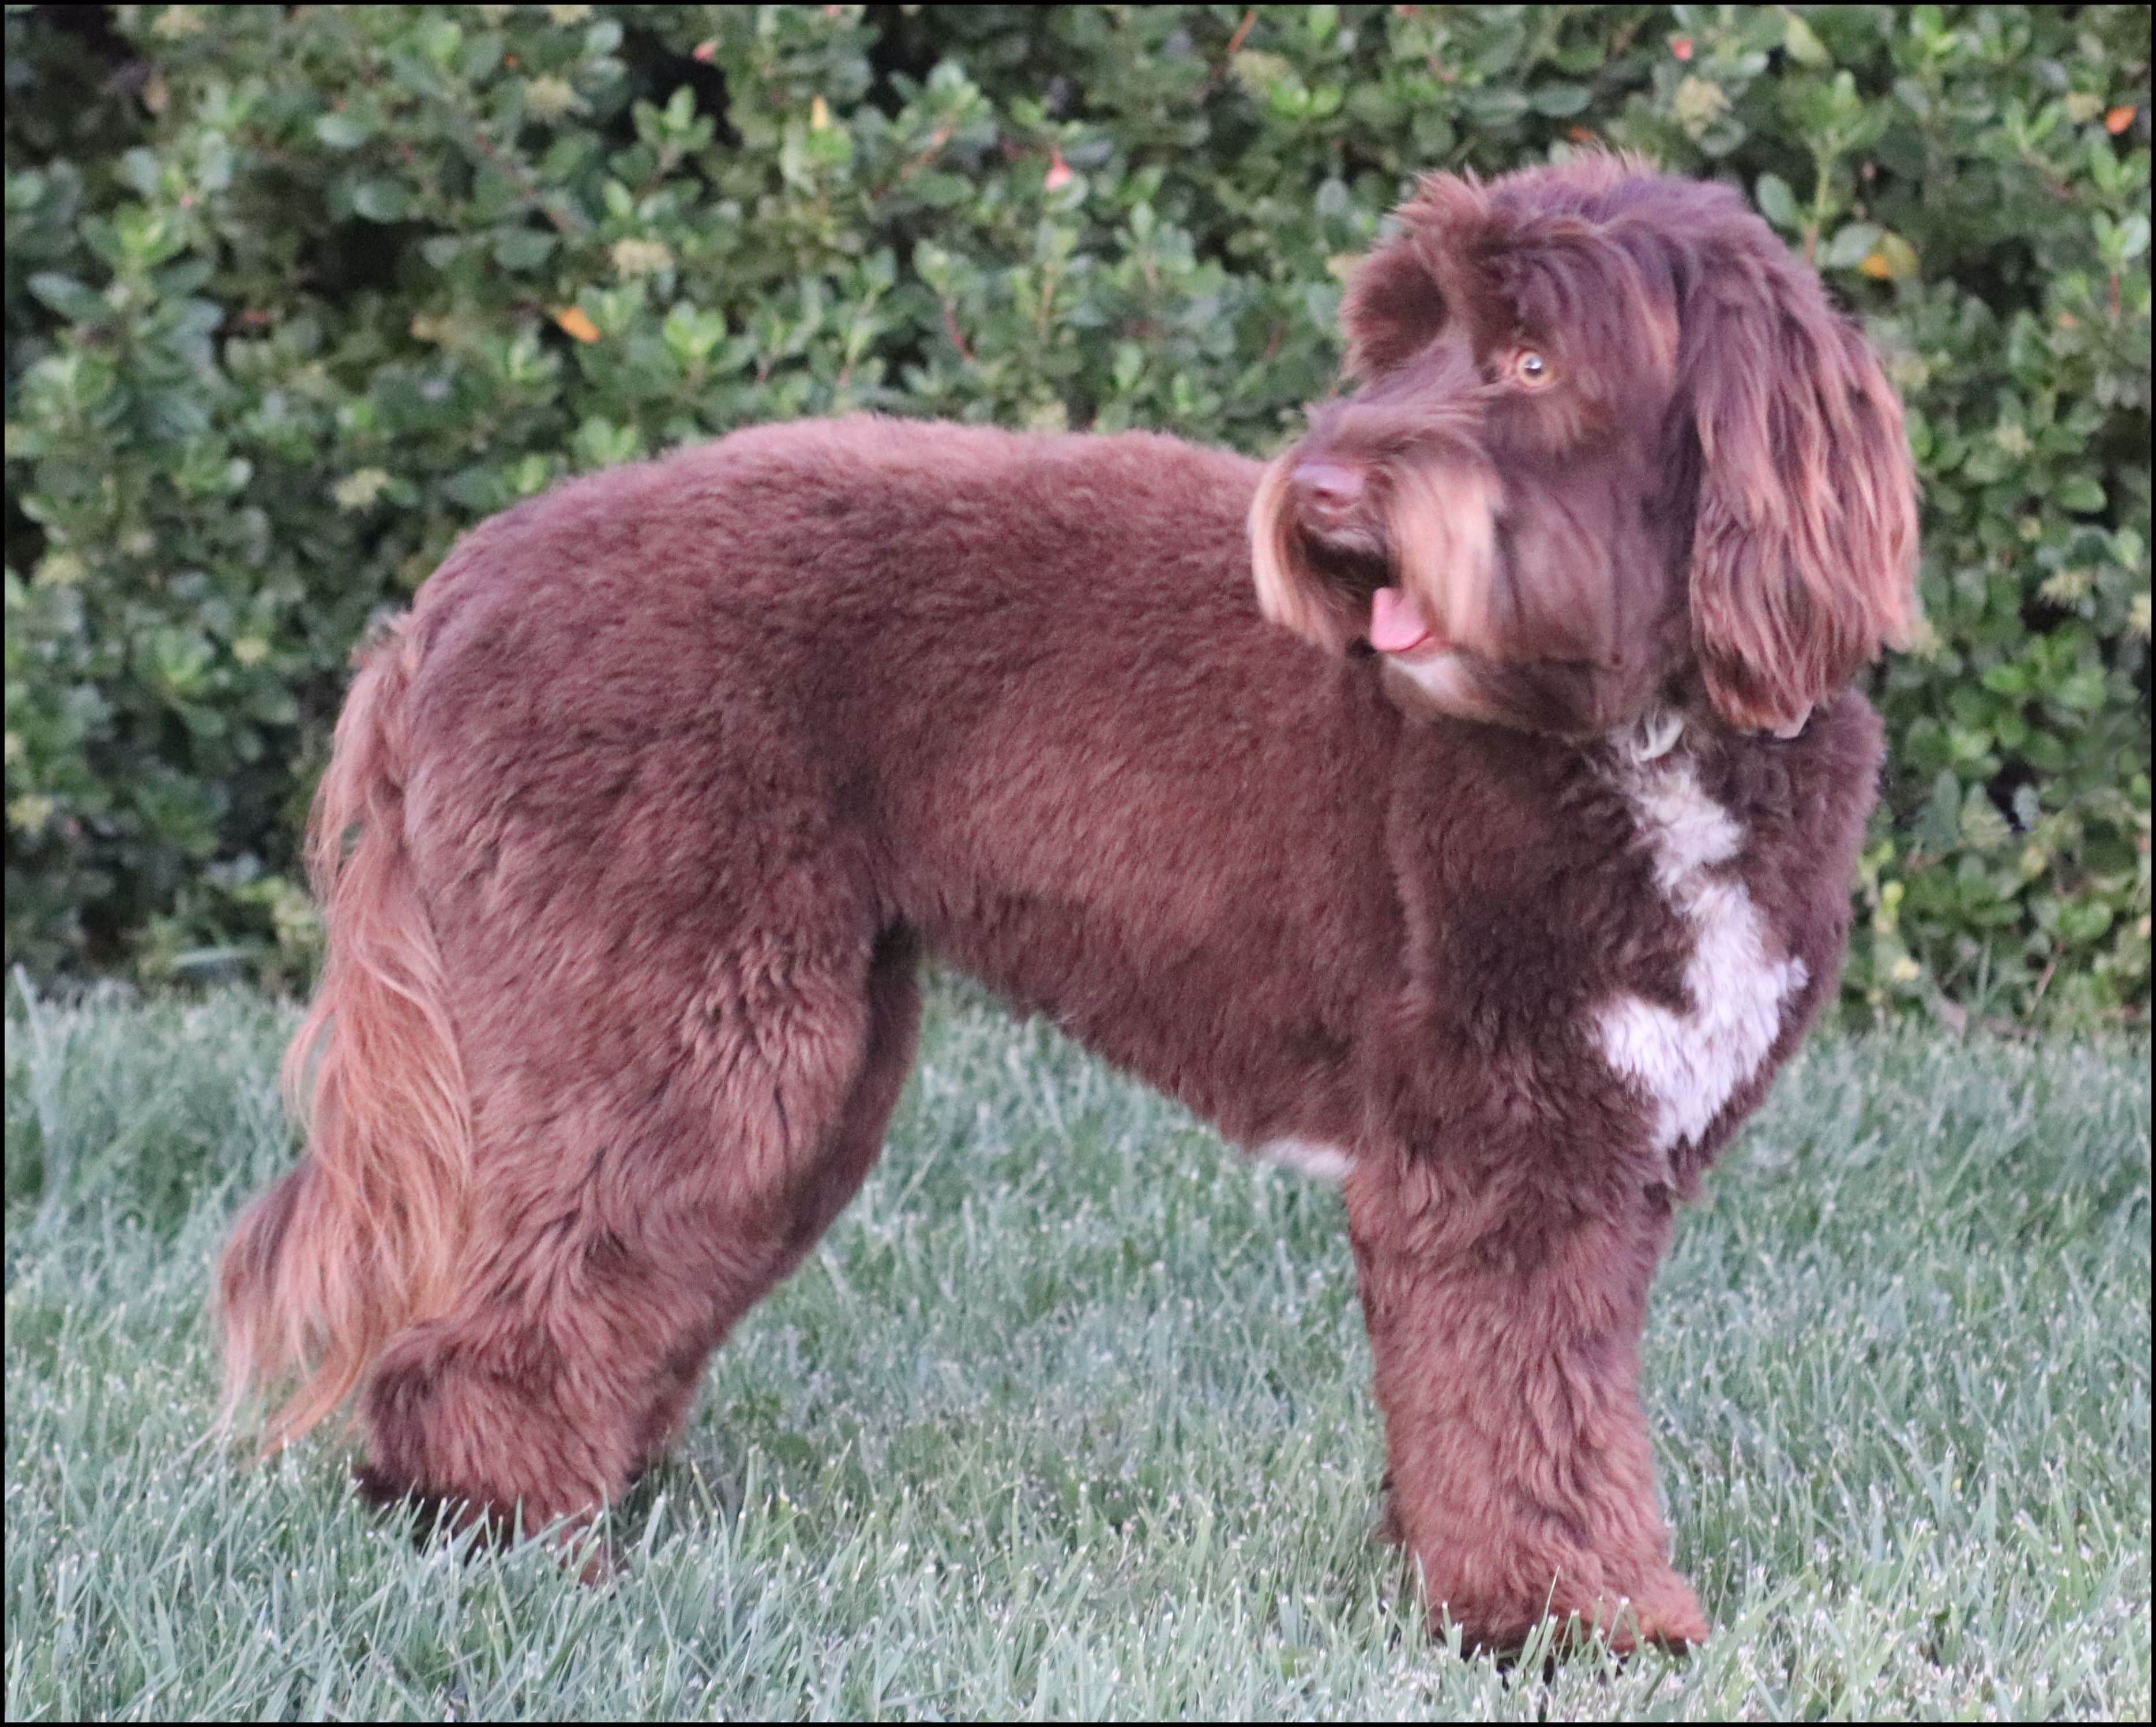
(295,295)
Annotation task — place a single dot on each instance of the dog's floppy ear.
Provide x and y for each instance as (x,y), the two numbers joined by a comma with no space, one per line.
(1804,547)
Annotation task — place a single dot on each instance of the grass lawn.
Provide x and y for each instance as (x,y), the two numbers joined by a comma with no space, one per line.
(1069,1415)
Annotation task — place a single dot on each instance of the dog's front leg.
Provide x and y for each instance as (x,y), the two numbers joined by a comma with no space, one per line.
(1506,1325)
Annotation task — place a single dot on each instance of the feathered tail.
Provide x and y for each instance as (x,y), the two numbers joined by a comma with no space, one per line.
(362,1238)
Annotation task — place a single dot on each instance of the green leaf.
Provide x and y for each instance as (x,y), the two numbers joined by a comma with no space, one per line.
(2083,692)
(2084,921)
(1803,45)
(1778,203)
(70,298)
(1850,246)
(2080,494)
(342,131)
(519,248)
(140,172)
(381,200)
(1560,101)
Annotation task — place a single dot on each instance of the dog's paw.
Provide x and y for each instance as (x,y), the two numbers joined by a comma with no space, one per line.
(1660,1609)
(1654,1607)
(458,1435)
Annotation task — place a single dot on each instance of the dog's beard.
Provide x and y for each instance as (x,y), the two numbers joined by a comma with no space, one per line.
(1447,561)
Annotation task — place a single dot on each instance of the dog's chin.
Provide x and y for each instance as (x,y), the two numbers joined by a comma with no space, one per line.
(1560,698)
(1442,680)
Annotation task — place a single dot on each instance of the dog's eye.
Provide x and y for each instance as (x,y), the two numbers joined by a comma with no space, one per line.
(1531,369)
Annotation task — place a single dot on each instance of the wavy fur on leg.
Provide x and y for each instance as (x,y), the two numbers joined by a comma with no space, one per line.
(362,1239)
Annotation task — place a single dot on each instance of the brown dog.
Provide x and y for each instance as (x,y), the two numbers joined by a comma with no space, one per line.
(670,775)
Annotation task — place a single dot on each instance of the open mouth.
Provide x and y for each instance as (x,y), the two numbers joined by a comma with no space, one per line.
(1351,551)
(1355,562)
(1352,560)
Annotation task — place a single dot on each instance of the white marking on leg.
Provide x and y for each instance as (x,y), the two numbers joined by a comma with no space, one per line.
(1308,1157)
(1690,1064)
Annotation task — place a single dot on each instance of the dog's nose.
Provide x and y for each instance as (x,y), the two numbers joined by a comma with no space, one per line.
(1326,491)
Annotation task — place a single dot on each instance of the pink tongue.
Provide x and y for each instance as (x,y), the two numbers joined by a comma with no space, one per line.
(1395,625)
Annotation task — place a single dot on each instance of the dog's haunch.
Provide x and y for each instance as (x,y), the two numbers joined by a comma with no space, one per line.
(639,825)
(1613,446)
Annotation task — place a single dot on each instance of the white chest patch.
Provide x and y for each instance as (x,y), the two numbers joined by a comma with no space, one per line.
(1689,1064)
(1308,1157)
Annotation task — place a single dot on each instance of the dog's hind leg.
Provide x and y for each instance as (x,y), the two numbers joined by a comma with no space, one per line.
(843,1162)
(653,1153)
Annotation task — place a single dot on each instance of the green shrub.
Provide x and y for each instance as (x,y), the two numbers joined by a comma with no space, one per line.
(296,295)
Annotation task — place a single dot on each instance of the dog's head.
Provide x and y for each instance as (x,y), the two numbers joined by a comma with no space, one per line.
(1613,449)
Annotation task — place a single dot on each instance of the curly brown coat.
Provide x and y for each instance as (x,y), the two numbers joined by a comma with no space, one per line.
(638,823)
